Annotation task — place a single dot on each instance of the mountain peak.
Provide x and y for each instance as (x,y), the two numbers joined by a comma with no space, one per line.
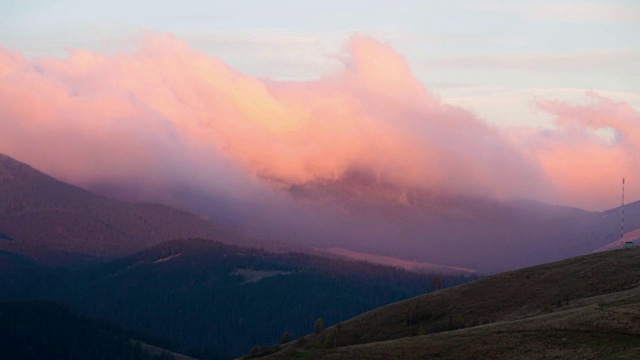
(45,217)
(11,165)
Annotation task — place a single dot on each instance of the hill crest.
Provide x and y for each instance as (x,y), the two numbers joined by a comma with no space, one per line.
(567,296)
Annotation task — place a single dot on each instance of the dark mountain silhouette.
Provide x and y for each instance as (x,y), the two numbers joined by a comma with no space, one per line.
(586,307)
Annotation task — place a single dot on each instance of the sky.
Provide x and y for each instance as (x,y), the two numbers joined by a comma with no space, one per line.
(507,99)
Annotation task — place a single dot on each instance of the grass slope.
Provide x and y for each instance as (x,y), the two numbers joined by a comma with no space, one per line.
(582,308)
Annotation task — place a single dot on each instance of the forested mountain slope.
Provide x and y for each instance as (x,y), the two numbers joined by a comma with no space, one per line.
(221,299)
(43,330)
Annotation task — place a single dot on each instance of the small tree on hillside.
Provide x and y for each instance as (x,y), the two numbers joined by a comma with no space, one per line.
(318,326)
(285,338)
(330,339)
(256,349)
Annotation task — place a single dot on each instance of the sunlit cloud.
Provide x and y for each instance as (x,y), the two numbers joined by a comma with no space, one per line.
(507,107)
(167,114)
(593,146)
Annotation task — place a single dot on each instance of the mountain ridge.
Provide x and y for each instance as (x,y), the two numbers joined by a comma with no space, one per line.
(57,223)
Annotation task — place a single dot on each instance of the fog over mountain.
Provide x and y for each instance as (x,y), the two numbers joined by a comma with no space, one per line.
(365,159)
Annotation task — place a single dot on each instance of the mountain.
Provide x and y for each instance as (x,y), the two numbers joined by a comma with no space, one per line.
(221,300)
(359,213)
(150,268)
(581,308)
(53,222)
(217,300)
(476,232)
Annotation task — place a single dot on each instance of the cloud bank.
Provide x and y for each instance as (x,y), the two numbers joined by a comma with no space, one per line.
(168,115)
(594,145)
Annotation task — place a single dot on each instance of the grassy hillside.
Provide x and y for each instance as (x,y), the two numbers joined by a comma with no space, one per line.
(586,307)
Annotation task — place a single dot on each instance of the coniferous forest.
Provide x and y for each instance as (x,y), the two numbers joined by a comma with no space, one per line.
(217,301)
(41,330)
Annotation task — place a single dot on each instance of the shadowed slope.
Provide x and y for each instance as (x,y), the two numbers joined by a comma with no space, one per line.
(589,303)
(43,330)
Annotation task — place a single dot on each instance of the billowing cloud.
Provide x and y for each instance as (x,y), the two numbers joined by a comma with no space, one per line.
(593,146)
(168,115)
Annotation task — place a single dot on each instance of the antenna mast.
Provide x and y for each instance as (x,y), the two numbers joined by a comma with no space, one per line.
(622,216)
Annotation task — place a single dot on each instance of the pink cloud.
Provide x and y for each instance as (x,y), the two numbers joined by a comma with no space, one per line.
(593,147)
(168,114)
